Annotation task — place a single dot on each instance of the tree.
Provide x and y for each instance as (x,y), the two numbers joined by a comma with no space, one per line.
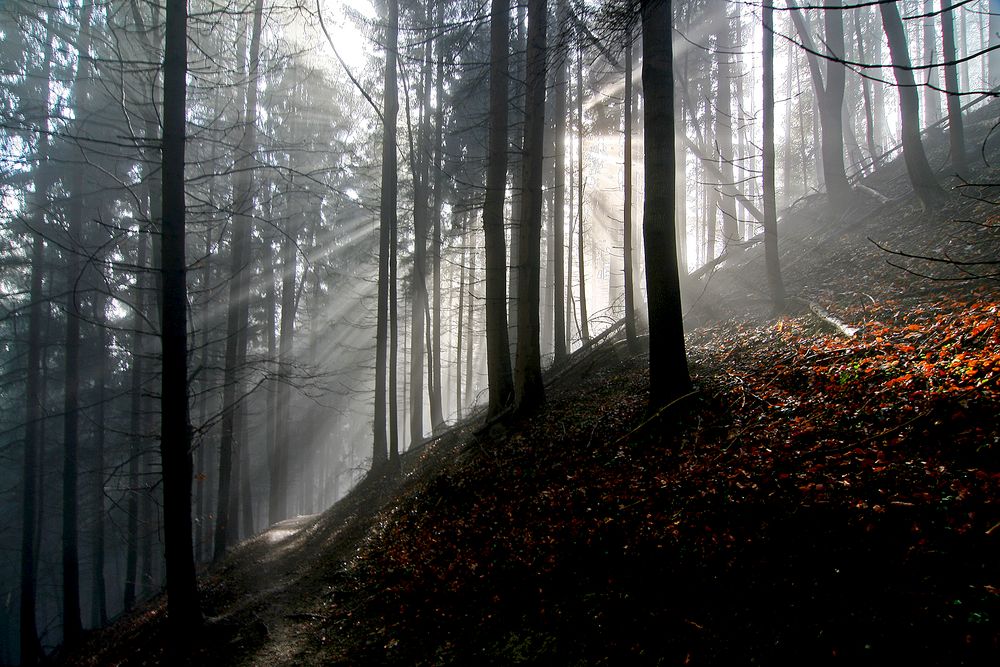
(184,615)
(237,314)
(668,371)
(528,389)
(994,44)
(630,328)
(724,120)
(387,222)
(559,187)
(770,205)
(501,386)
(956,129)
(33,395)
(830,96)
(72,627)
(924,183)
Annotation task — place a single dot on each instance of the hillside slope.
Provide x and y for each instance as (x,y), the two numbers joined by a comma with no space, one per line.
(821,498)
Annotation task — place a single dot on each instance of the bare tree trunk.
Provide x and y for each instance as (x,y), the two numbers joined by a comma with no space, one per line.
(956,128)
(771,258)
(516,167)
(237,314)
(387,222)
(98,593)
(458,342)
(72,626)
(437,418)
(470,319)
(497,342)
(559,191)
(421,211)
(278,508)
(921,177)
(135,420)
(630,330)
(724,121)
(932,103)
(830,97)
(668,372)
(866,91)
(994,43)
(183,613)
(33,395)
(529,391)
(584,319)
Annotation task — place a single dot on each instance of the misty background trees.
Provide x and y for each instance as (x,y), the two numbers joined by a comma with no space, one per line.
(405,232)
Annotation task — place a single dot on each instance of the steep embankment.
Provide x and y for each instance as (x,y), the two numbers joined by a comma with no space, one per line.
(824,496)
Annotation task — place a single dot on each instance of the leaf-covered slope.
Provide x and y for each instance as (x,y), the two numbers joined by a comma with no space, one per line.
(821,498)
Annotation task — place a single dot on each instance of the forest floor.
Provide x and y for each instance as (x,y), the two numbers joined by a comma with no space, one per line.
(826,495)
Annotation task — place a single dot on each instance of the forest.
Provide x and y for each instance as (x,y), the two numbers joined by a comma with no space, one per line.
(567,332)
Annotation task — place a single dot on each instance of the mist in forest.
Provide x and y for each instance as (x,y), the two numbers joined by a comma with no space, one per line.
(376,241)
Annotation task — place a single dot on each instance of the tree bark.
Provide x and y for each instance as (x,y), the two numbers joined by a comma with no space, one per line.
(497,342)
(924,183)
(98,588)
(956,128)
(278,509)
(183,613)
(72,626)
(668,372)
(771,258)
(421,212)
(830,97)
(724,122)
(437,418)
(630,329)
(528,389)
(387,221)
(932,103)
(584,319)
(559,193)
(994,43)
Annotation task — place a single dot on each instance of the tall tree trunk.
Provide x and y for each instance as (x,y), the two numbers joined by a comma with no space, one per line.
(202,518)
(135,419)
(183,613)
(72,627)
(458,341)
(421,211)
(630,332)
(33,394)
(387,221)
(830,97)
(528,389)
(724,121)
(956,128)
(516,167)
(394,346)
(584,318)
(921,177)
(271,400)
(786,170)
(932,103)
(770,204)
(98,593)
(437,418)
(994,43)
(559,190)
(866,91)
(668,372)
(497,343)
(471,317)
(278,507)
